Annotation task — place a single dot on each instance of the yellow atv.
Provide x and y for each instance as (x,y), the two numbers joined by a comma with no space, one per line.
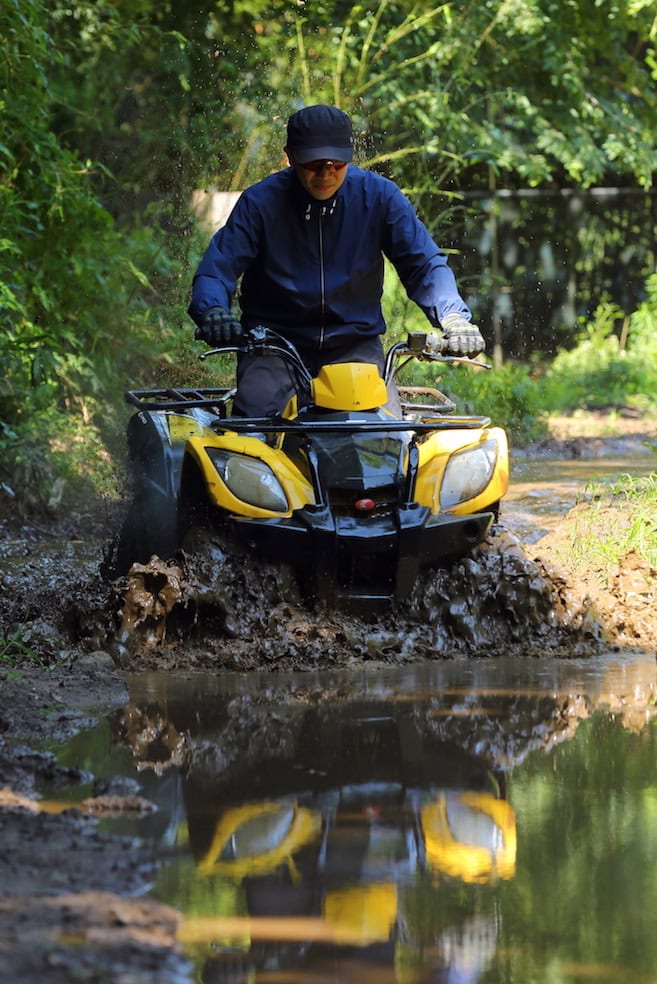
(357,499)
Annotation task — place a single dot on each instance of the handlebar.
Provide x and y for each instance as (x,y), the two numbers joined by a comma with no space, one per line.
(261,339)
(423,346)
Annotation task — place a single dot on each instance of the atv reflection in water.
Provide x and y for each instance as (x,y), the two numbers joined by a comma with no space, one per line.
(366,840)
(357,500)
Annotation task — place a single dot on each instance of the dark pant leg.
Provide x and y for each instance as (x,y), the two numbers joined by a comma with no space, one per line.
(264,385)
(364,350)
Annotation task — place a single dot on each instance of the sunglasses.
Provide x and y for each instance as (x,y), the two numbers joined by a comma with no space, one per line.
(317,166)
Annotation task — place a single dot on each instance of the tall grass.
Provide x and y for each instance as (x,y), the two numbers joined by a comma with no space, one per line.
(619,519)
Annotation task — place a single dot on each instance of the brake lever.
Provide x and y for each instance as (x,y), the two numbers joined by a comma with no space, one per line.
(223,348)
(461,359)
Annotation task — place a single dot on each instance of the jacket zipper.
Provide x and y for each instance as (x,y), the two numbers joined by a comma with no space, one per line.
(322,211)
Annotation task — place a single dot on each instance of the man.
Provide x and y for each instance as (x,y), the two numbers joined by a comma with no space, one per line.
(309,243)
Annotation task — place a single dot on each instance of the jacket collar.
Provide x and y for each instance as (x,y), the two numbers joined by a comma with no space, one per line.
(312,206)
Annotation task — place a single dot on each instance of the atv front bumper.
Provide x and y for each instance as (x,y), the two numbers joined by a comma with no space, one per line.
(363,564)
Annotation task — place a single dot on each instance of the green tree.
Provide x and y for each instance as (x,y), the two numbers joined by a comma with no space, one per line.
(73,300)
(113,111)
(535,90)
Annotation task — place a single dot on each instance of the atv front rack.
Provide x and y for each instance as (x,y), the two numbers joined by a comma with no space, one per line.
(409,396)
(207,398)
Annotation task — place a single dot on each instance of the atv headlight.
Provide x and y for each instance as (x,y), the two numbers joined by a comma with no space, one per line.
(468,473)
(259,834)
(249,479)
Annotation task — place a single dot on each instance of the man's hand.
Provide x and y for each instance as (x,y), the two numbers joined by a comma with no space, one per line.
(461,337)
(219,327)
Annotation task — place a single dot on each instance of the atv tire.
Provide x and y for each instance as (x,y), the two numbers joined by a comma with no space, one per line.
(150,528)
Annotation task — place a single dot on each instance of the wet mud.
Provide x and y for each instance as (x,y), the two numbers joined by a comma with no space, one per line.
(214,609)
(220,609)
(70,906)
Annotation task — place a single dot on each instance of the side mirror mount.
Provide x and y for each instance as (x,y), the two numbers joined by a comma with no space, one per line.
(416,342)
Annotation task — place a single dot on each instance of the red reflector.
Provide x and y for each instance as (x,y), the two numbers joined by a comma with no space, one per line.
(364,505)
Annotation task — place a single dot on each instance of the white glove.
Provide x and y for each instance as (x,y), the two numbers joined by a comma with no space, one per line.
(461,336)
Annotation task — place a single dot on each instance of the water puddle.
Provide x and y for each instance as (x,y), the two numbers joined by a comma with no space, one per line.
(473,820)
(543,491)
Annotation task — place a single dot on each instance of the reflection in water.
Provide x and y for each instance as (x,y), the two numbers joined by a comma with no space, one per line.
(318,835)
(349,832)
(462,823)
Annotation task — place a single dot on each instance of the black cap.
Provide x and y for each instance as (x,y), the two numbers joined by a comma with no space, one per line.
(319,133)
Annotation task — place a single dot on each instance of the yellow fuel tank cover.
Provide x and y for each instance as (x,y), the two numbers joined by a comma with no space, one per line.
(349,386)
(362,914)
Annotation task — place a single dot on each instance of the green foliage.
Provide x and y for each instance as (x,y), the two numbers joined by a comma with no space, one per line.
(643,336)
(527,88)
(509,395)
(440,92)
(79,299)
(599,371)
(633,502)
(14,649)
(400,313)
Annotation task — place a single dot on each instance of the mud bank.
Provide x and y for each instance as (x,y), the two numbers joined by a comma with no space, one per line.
(73,901)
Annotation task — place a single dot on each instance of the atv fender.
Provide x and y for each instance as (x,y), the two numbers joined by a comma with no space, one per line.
(156,447)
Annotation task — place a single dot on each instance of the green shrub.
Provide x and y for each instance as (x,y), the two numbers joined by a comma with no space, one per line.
(632,502)
(598,372)
(509,395)
(87,308)
(15,650)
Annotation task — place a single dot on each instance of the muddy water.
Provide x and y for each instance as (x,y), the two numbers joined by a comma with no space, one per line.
(467,821)
(541,492)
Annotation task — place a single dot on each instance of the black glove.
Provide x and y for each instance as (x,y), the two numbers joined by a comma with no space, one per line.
(461,337)
(219,327)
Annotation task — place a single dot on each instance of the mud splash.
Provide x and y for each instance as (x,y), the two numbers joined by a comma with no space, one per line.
(222,610)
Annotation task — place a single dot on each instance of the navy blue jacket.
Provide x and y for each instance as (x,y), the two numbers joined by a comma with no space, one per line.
(313,270)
